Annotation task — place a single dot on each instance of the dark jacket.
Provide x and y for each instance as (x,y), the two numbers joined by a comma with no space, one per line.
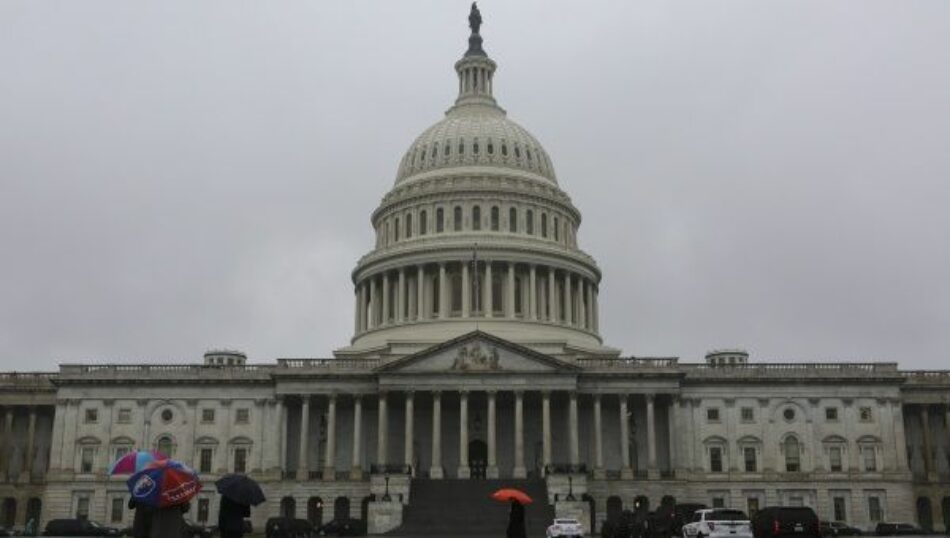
(516,521)
(231,516)
(142,521)
(168,522)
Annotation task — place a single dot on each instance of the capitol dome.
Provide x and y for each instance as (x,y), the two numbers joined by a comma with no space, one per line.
(476,235)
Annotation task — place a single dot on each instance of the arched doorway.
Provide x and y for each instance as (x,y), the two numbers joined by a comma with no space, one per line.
(9,512)
(641,503)
(288,507)
(315,511)
(478,458)
(925,516)
(592,506)
(34,509)
(614,508)
(341,508)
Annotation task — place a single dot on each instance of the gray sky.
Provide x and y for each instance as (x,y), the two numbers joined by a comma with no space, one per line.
(182,175)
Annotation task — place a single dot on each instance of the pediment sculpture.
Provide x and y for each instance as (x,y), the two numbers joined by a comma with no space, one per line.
(473,358)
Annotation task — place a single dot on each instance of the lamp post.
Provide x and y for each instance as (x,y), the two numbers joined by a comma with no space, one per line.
(386,496)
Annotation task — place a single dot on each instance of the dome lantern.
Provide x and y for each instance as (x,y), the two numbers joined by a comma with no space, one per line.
(475,70)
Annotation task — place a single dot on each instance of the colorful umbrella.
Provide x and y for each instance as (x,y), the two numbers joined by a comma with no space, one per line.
(135,461)
(511,494)
(240,489)
(164,483)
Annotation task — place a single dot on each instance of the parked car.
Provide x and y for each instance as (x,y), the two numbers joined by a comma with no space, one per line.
(6,532)
(343,527)
(565,527)
(785,521)
(838,528)
(718,523)
(897,529)
(78,527)
(194,530)
(286,527)
(683,514)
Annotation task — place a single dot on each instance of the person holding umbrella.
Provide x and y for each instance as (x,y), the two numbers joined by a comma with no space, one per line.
(167,487)
(130,463)
(238,494)
(517,499)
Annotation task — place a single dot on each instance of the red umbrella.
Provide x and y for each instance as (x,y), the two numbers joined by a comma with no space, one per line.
(511,494)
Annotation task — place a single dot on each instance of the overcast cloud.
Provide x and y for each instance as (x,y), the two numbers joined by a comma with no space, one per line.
(179,175)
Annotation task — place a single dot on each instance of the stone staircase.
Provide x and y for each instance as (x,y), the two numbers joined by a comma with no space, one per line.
(454,507)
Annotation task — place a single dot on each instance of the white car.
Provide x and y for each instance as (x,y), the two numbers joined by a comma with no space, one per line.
(718,523)
(566,527)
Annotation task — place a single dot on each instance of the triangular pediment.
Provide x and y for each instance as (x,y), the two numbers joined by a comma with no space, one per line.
(477,352)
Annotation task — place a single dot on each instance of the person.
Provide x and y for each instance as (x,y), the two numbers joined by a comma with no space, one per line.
(30,528)
(142,520)
(516,521)
(168,522)
(231,516)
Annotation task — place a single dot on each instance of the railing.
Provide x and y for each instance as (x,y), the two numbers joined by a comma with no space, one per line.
(329,364)
(196,372)
(565,468)
(798,370)
(927,377)
(628,363)
(390,468)
(27,379)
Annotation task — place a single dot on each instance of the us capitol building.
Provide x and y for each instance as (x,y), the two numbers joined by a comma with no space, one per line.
(477,354)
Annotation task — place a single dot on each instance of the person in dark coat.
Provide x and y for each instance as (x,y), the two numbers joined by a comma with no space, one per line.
(142,520)
(168,522)
(231,518)
(516,521)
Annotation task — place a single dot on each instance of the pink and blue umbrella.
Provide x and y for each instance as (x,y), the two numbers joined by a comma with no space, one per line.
(135,461)
(164,483)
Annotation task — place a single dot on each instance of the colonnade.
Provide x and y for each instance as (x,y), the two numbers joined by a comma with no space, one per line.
(486,290)
(930,447)
(7,444)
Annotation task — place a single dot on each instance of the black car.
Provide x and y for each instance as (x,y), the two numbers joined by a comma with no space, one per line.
(344,527)
(785,522)
(839,528)
(287,527)
(78,527)
(194,530)
(897,529)
(683,514)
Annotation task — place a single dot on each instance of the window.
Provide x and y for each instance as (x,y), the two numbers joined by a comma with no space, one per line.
(718,502)
(494,218)
(92,416)
(476,218)
(748,454)
(203,505)
(82,507)
(240,460)
(87,458)
(423,222)
(115,515)
(831,414)
(517,151)
(712,414)
(715,459)
(461,146)
(792,455)
(752,505)
(748,414)
(475,145)
(490,148)
(875,513)
(439,220)
(869,457)
(529,222)
(448,149)
(396,230)
(457,221)
(504,149)
(834,460)
(865,414)
(840,512)
(512,220)
(544,225)
(120,452)
(204,462)
(125,415)
(167,415)
(207,416)
(165,446)
(408,226)
(788,414)
(555,230)
(242,416)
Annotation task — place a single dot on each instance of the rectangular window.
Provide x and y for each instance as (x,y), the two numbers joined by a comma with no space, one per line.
(92,416)
(869,457)
(115,516)
(82,508)
(748,414)
(718,502)
(715,459)
(87,458)
(834,459)
(120,451)
(841,513)
(749,456)
(712,414)
(243,416)
(831,414)
(207,416)
(205,460)
(125,415)
(752,506)
(865,414)
(240,460)
(875,513)
(203,506)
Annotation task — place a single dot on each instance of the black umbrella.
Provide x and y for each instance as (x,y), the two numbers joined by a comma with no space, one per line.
(240,489)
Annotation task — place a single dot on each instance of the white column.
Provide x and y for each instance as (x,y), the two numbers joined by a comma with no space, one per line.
(900,438)
(464,471)
(510,292)
(626,472)
(443,293)
(31,442)
(385,311)
(401,296)
(652,470)
(488,305)
(492,470)
(598,440)
(356,467)
(519,470)
(407,450)
(282,448)
(928,444)
(466,291)
(56,444)
(436,470)
(545,430)
(7,445)
(382,431)
(575,435)
(533,293)
(675,457)
(552,295)
(303,470)
(568,302)
(329,463)
(420,292)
